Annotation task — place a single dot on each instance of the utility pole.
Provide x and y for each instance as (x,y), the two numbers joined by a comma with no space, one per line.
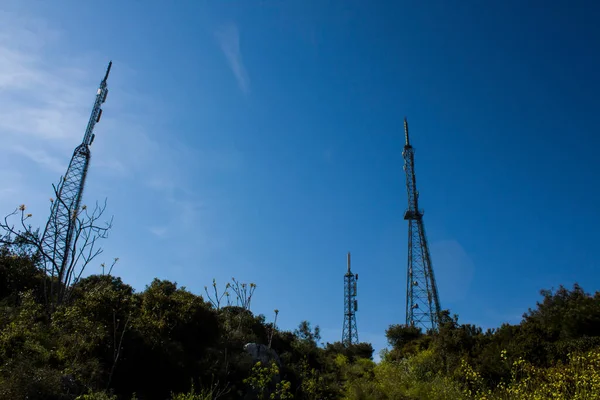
(422,300)
(349,331)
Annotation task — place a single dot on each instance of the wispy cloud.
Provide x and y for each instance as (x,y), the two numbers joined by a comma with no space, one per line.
(159,231)
(46,92)
(229,40)
(45,100)
(36,101)
(41,157)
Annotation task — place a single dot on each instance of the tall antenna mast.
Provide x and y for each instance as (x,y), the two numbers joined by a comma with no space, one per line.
(349,331)
(58,234)
(422,300)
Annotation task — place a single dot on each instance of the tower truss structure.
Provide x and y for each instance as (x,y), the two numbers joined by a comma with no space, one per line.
(422,300)
(349,331)
(58,235)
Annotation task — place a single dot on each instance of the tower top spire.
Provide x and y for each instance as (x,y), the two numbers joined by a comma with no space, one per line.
(107,71)
(406,132)
(348,262)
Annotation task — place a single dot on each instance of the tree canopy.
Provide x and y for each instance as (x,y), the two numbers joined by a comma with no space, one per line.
(108,341)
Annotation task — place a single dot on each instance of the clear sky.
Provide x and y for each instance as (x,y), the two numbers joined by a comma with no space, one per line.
(262,140)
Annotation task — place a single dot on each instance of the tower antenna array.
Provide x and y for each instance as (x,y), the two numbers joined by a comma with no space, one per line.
(422,300)
(349,332)
(58,234)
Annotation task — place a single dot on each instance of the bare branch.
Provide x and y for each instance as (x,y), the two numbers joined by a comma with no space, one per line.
(117,346)
(112,265)
(273,328)
(243,292)
(73,234)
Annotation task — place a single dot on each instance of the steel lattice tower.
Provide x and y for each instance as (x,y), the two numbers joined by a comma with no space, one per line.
(422,300)
(350,332)
(58,234)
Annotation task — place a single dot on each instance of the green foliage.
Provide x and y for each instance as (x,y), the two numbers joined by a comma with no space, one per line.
(108,342)
(583,311)
(18,273)
(205,394)
(307,335)
(552,353)
(26,353)
(163,342)
(263,383)
(96,396)
(405,341)
(170,338)
(401,335)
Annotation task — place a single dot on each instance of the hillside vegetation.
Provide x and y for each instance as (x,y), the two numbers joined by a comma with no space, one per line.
(109,342)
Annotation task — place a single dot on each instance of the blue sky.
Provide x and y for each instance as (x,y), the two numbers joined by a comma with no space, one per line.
(262,140)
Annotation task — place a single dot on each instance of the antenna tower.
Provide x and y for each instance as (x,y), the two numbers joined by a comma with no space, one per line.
(422,300)
(58,234)
(349,332)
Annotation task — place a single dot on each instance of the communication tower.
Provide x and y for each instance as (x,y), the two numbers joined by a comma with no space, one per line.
(422,300)
(58,235)
(349,332)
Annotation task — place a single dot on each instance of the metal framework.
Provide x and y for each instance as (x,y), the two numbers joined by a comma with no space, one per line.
(58,234)
(349,331)
(422,300)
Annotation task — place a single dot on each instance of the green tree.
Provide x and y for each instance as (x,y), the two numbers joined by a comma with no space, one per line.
(170,340)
